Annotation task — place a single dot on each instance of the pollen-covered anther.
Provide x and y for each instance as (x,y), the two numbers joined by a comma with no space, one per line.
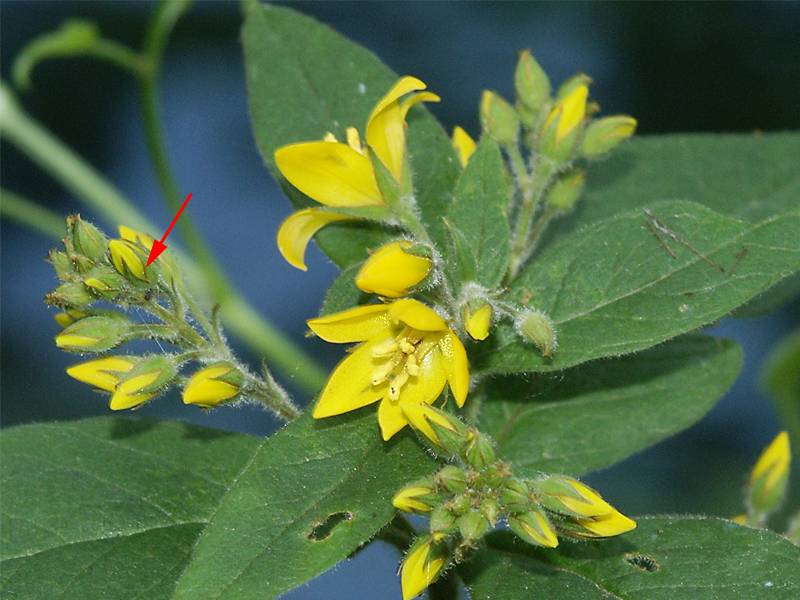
(397,384)
(388,348)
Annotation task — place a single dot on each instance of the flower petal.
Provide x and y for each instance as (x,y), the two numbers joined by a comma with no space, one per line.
(427,386)
(331,173)
(457,366)
(464,145)
(298,229)
(416,315)
(349,386)
(391,271)
(352,325)
(390,418)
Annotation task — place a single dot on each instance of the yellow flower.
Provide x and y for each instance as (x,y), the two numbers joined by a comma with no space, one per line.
(534,527)
(563,121)
(416,498)
(770,474)
(127,258)
(478,322)
(407,356)
(102,373)
(608,525)
(212,385)
(421,567)
(569,496)
(464,145)
(341,175)
(137,237)
(422,418)
(129,394)
(391,271)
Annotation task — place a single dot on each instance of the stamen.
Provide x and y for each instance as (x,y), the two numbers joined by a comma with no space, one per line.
(381,373)
(412,367)
(396,384)
(386,348)
(406,346)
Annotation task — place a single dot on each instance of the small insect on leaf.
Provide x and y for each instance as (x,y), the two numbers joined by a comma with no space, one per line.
(643,562)
(324,529)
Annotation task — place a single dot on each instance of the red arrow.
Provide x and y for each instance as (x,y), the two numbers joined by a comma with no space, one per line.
(158,245)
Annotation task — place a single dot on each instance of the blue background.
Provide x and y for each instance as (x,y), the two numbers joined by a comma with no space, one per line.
(676,67)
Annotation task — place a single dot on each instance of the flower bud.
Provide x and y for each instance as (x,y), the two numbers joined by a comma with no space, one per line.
(569,86)
(137,237)
(478,321)
(86,238)
(608,525)
(495,474)
(94,334)
(769,478)
(499,119)
(463,144)
(421,566)
(128,259)
(561,128)
(460,504)
(68,317)
(62,265)
(533,88)
(480,451)
(417,497)
(441,428)
(537,327)
(104,282)
(473,525)
(451,478)
(442,521)
(69,294)
(515,496)
(534,527)
(566,190)
(569,496)
(102,373)
(392,271)
(603,135)
(491,510)
(142,382)
(213,385)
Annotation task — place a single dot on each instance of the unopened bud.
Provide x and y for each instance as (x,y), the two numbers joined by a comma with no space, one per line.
(533,88)
(515,496)
(464,145)
(442,521)
(392,270)
(68,317)
(478,320)
(473,525)
(499,119)
(534,527)
(213,385)
(495,474)
(563,124)
(104,282)
(568,496)
(539,329)
(422,566)
(566,190)
(608,525)
(770,475)
(569,86)
(128,258)
(62,265)
(459,504)
(86,238)
(480,451)
(141,383)
(605,134)
(491,510)
(451,478)
(94,334)
(417,497)
(443,429)
(69,294)
(102,373)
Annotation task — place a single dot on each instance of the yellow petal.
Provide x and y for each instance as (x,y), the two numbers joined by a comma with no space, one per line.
(128,394)
(457,366)
(464,145)
(421,416)
(478,323)
(204,389)
(331,173)
(614,523)
(352,325)
(573,109)
(68,340)
(125,258)
(127,233)
(420,569)
(386,133)
(101,373)
(775,460)
(390,418)
(406,499)
(121,401)
(391,271)
(349,387)
(416,315)
(298,229)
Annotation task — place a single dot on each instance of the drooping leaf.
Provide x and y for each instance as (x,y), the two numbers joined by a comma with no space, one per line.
(669,558)
(623,284)
(782,379)
(478,213)
(122,508)
(303,80)
(308,498)
(597,414)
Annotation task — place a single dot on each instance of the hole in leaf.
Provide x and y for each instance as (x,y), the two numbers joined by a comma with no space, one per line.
(643,562)
(324,529)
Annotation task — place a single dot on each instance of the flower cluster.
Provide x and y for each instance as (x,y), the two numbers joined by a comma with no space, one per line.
(475,491)
(93,270)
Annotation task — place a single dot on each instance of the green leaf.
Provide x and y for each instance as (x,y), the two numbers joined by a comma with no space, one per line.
(303,80)
(478,212)
(620,285)
(669,558)
(601,413)
(122,508)
(343,293)
(310,496)
(109,507)
(781,378)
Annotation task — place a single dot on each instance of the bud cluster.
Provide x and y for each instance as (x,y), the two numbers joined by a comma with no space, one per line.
(475,490)
(93,269)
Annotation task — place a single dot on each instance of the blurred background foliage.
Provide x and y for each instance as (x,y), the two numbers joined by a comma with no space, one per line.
(677,67)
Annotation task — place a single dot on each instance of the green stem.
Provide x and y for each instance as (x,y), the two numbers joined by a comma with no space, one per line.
(273,396)
(118,55)
(21,210)
(88,185)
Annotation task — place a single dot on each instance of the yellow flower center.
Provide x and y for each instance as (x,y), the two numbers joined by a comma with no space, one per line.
(398,360)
